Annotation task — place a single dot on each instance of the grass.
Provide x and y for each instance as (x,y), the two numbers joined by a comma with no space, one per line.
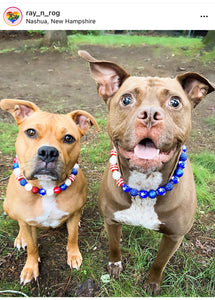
(190,47)
(134,40)
(189,273)
(8,133)
(185,46)
(203,166)
(179,45)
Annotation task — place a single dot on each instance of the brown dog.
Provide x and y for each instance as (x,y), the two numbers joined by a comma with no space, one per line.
(146,183)
(46,188)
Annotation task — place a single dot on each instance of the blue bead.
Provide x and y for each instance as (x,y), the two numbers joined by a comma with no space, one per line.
(179,172)
(74,171)
(168,186)
(126,188)
(182,164)
(134,192)
(152,194)
(161,191)
(143,194)
(23,182)
(42,192)
(183,156)
(63,187)
(15,165)
(184,148)
(175,179)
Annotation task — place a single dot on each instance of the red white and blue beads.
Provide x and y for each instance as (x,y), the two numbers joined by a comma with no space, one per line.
(152,193)
(42,192)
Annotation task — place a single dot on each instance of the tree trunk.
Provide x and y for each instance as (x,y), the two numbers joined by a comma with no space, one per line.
(209,40)
(55,37)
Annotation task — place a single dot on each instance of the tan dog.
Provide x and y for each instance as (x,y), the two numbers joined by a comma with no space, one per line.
(47,148)
(146,183)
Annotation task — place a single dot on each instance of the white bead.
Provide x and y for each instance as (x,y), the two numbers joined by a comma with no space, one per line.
(76,166)
(116,175)
(113,160)
(68,182)
(28,187)
(50,192)
(17,171)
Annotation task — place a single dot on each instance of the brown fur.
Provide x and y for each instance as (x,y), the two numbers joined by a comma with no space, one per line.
(151,116)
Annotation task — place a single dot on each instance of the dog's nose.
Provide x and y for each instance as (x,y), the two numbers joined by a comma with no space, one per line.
(150,116)
(47,154)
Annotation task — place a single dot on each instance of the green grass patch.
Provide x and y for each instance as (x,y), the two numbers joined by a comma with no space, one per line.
(185,45)
(97,150)
(8,134)
(203,166)
(134,40)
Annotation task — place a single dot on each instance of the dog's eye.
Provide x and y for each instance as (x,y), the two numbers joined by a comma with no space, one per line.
(68,139)
(31,132)
(126,99)
(175,102)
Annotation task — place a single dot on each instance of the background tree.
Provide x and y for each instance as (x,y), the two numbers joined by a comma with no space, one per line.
(209,40)
(55,37)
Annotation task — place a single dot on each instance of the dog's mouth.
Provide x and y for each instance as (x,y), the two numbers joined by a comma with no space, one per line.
(146,149)
(146,155)
(45,171)
(46,175)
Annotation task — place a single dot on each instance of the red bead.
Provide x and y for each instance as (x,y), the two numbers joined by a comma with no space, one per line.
(120,182)
(114,168)
(15,160)
(34,189)
(113,152)
(72,177)
(19,177)
(57,190)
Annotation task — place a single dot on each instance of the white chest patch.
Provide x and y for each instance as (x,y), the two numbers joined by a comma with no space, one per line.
(141,212)
(51,214)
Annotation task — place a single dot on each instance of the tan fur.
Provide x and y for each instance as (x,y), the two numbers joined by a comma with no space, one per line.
(28,208)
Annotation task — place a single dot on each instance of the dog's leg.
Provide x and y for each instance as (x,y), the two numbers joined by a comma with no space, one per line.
(167,248)
(114,234)
(74,257)
(29,235)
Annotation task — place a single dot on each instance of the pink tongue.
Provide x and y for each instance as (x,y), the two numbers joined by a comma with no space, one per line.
(147,151)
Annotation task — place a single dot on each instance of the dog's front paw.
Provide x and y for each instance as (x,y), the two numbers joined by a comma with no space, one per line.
(152,288)
(30,271)
(114,268)
(74,259)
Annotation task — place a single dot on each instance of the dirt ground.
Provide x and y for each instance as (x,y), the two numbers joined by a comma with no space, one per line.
(60,82)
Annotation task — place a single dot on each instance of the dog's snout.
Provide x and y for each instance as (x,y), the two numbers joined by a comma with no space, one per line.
(150,116)
(47,154)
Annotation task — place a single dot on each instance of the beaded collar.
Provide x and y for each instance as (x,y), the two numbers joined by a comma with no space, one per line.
(42,192)
(160,191)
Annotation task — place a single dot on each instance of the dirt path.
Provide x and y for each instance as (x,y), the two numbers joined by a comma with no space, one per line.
(61,82)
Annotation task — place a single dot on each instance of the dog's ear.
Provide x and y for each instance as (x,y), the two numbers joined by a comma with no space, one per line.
(196,86)
(19,109)
(108,75)
(83,120)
